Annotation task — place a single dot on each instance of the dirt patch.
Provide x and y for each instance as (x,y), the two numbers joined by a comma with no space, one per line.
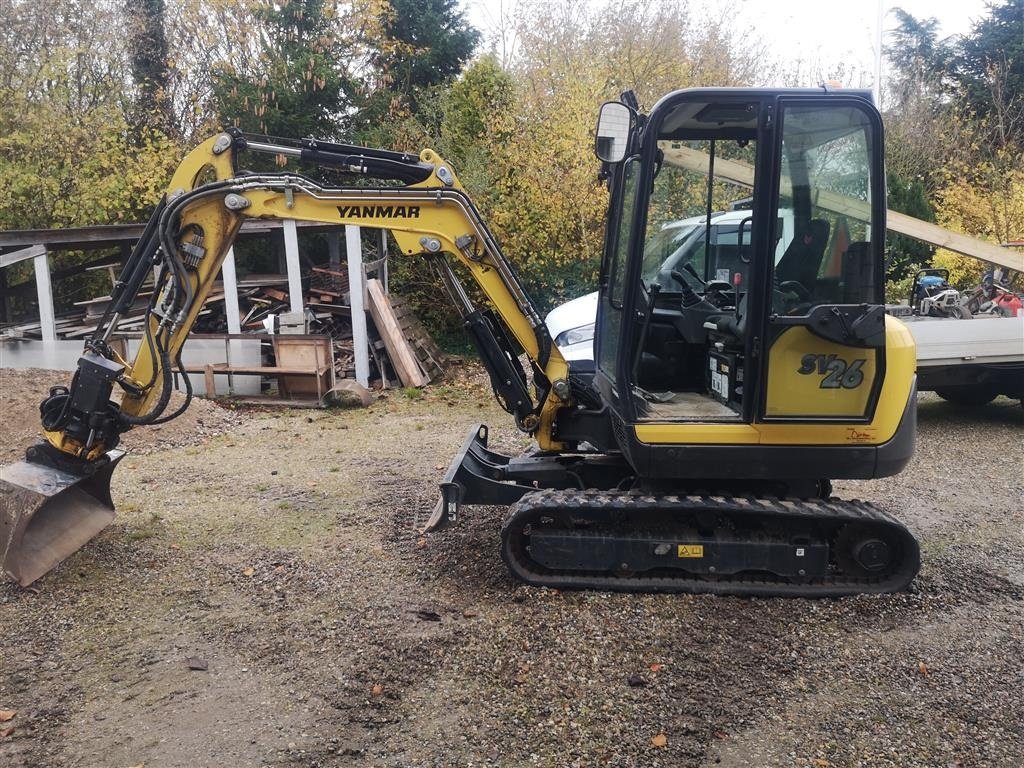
(21,391)
(281,553)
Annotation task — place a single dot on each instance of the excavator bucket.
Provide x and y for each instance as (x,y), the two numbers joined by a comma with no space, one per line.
(48,514)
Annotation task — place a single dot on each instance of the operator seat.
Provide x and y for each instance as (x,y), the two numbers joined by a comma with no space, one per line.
(802,260)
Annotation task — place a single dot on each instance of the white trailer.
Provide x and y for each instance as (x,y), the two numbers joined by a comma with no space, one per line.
(969,362)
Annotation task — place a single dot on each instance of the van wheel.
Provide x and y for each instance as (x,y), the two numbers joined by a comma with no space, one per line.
(970,397)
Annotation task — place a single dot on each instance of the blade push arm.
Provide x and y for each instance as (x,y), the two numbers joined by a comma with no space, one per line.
(189,236)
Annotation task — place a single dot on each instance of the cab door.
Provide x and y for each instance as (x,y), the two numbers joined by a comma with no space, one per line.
(610,307)
(825,322)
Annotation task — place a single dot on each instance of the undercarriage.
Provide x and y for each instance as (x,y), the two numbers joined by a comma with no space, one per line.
(583,521)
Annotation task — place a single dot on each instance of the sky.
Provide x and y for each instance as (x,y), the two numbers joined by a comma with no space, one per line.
(819,38)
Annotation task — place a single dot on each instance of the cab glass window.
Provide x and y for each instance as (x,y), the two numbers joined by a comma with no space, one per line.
(825,187)
(610,313)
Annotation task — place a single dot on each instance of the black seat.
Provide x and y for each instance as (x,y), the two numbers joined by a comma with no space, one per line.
(802,260)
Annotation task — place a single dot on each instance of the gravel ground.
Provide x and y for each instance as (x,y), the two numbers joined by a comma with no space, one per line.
(279,555)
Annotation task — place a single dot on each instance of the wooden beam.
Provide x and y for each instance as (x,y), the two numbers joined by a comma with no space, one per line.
(402,356)
(7,259)
(106,235)
(954,241)
(742,174)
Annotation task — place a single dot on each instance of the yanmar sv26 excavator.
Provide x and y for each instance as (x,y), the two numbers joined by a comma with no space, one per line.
(697,452)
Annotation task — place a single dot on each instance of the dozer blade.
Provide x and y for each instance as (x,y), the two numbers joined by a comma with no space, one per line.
(48,514)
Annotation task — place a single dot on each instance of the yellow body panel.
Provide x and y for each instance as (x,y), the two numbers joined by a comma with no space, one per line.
(812,376)
(892,400)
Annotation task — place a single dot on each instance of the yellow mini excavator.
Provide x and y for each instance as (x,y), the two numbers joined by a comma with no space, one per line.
(732,379)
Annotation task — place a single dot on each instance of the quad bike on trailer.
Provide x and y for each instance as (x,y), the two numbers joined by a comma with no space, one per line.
(697,452)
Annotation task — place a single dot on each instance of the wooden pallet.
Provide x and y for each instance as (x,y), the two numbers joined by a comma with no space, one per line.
(428,354)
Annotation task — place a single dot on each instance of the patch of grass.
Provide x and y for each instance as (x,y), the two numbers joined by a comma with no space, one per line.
(147,529)
(413,393)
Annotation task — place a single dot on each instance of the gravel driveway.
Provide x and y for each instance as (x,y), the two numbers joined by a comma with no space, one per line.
(262,601)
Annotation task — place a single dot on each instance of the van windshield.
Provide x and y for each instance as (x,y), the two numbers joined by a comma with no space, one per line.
(678,209)
(668,246)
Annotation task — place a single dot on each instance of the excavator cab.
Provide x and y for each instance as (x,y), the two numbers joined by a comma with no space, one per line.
(755,339)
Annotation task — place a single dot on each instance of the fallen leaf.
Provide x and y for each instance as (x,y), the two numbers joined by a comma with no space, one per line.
(7,714)
(377,690)
(248,571)
(922,668)
(660,740)
(636,681)
(6,732)
(197,664)
(421,542)
(820,762)
(279,569)
(657,668)
(140,765)
(720,735)
(469,613)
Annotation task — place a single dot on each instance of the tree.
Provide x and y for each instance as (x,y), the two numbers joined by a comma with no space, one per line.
(989,70)
(421,46)
(147,47)
(906,255)
(298,85)
(424,43)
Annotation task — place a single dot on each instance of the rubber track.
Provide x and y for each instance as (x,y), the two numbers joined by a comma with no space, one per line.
(602,506)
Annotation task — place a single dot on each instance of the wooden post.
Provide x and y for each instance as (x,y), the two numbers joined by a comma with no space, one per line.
(230,277)
(234,346)
(291,257)
(208,381)
(360,341)
(44,291)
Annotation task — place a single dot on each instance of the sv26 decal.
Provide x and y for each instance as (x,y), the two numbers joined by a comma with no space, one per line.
(837,372)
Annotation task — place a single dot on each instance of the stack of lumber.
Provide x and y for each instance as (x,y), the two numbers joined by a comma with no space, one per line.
(401,351)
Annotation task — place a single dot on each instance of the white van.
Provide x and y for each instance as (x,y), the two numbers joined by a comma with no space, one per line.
(680,246)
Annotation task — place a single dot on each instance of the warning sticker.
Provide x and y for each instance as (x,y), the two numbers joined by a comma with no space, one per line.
(691,550)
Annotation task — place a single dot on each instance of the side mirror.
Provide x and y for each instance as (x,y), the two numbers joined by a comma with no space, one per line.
(614,127)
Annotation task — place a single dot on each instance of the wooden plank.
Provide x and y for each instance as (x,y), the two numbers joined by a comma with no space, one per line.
(275,294)
(333,272)
(402,356)
(954,241)
(255,370)
(103,235)
(743,175)
(208,381)
(7,259)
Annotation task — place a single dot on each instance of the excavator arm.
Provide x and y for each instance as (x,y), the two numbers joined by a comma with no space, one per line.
(195,225)
(63,486)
